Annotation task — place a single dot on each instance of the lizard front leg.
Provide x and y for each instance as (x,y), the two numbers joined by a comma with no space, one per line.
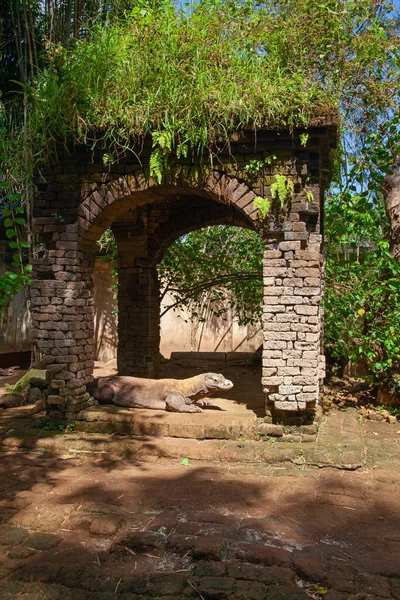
(204,402)
(177,402)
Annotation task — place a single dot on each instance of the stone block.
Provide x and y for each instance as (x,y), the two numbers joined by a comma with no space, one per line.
(289,370)
(309,389)
(273,362)
(274,308)
(272,381)
(274,345)
(303,345)
(291,245)
(306,397)
(292,354)
(273,290)
(307,272)
(286,405)
(276,272)
(293,300)
(302,362)
(305,380)
(308,291)
(55,400)
(267,354)
(273,326)
(293,282)
(268,254)
(271,300)
(280,335)
(306,310)
(307,255)
(285,390)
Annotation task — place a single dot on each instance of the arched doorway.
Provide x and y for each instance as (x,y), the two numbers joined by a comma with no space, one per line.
(81,196)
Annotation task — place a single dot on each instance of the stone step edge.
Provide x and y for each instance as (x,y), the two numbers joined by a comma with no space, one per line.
(151,450)
(252,431)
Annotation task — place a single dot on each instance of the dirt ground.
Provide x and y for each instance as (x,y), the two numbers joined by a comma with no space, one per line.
(95,526)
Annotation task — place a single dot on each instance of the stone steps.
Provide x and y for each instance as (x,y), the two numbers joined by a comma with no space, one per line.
(339,444)
(231,422)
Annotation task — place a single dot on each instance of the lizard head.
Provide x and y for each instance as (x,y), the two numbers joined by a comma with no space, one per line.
(216,381)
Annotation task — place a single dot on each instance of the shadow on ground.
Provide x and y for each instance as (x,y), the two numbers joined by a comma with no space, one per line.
(98,527)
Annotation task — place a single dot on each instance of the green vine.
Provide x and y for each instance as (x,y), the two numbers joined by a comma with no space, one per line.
(304,139)
(263,205)
(282,189)
(255,166)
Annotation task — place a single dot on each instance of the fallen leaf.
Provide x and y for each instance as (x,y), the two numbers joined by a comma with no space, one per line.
(321,591)
(185,462)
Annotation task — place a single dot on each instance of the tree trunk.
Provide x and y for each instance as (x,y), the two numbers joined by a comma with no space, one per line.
(392,201)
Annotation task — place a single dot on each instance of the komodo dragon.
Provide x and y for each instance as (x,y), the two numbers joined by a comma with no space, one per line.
(176,395)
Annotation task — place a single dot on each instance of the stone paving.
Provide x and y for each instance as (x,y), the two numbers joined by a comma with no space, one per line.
(90,522)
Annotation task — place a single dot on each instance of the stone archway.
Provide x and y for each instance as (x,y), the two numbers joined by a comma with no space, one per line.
(78,198)
(141,239)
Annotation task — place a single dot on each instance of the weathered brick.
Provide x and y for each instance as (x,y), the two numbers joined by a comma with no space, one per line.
(274,345)
(289,389)
(268,254)
(279,335)
(285,246)
(306,272)
(306,310)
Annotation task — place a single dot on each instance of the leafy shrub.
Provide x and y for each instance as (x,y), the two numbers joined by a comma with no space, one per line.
(362,300)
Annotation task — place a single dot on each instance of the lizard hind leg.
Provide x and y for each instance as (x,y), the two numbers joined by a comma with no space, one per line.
(177,402)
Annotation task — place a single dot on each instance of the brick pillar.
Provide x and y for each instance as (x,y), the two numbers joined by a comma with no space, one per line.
(292,328)
(62,316)
(138,320)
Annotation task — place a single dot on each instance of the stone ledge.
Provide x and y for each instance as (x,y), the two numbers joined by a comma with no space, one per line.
(211,425)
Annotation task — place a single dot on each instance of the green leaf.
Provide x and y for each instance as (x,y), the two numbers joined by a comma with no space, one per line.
(185,462)
(8,223)
(13,245)
(14,197)
(10,233)
(28,268)
(25,244)
(6,212)
(20,221)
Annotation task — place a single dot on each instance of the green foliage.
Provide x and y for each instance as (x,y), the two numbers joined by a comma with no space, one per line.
(254,166)
(362,303)
(45,424)
(282,189)
(198,276)
(108,250)
(304,139)
(192,77)
(14,222)
(263,205)
(10,389)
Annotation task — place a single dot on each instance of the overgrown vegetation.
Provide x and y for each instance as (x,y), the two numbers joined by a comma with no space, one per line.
(362,303)
(190,78)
